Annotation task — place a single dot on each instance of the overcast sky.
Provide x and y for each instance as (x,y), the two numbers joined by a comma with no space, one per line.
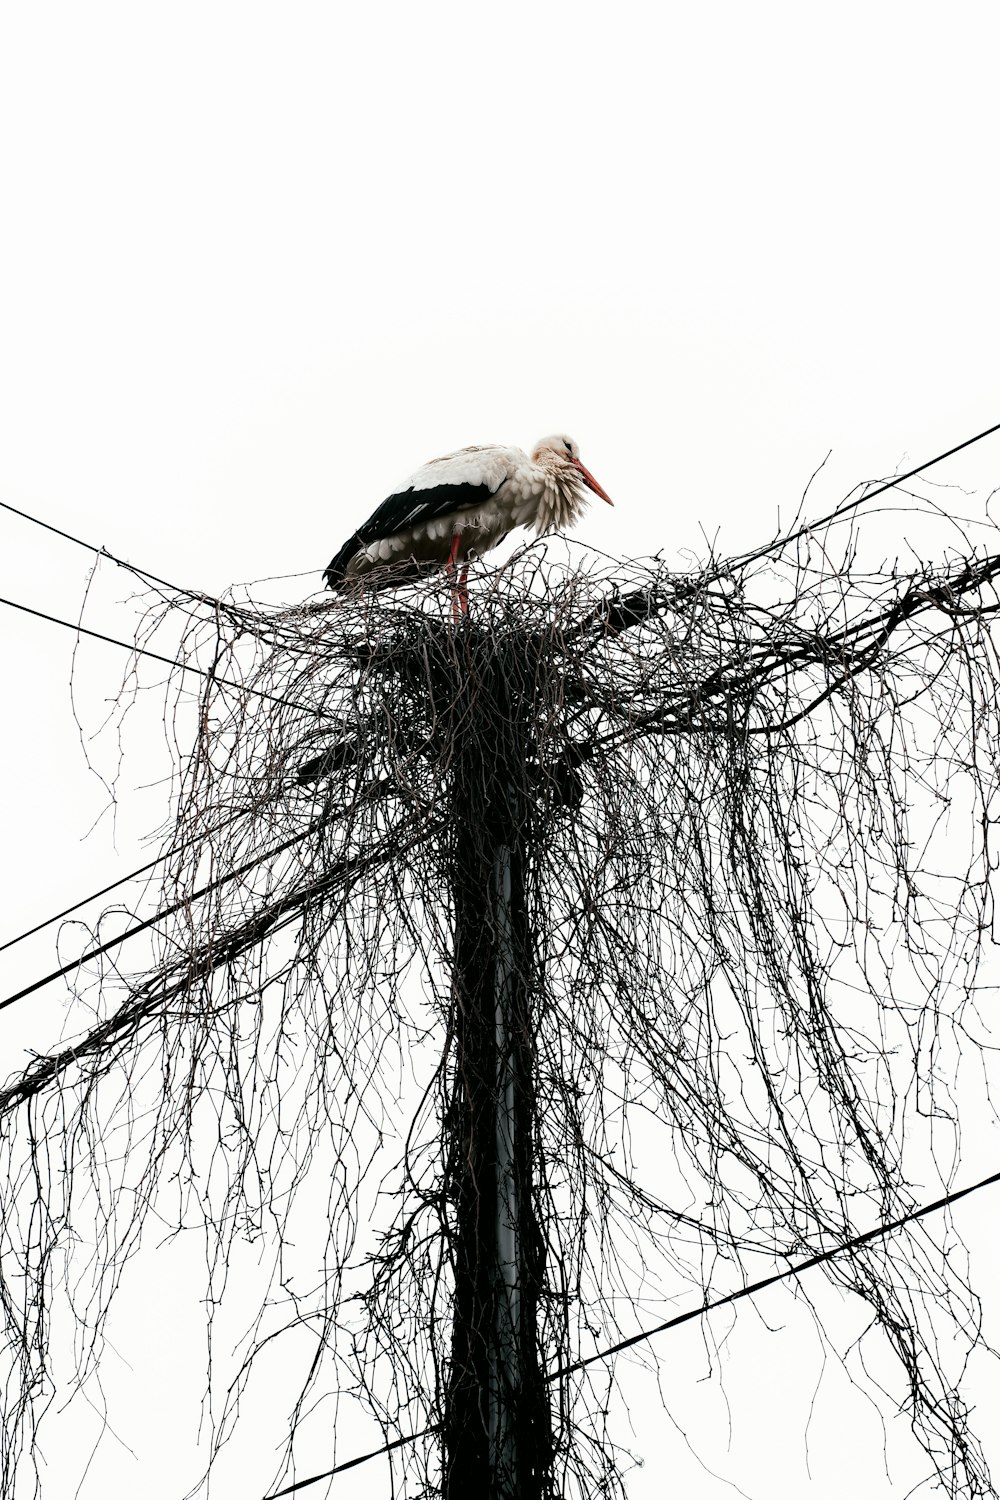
(257,262)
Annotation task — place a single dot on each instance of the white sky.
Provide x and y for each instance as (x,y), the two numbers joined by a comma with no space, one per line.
(259,261)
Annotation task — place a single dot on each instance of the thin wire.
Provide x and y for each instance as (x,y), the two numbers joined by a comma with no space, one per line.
(103,552)
(85,901)
(844,509)
(352,1463)
(178,849)
(159,916)
(120,562)
(878,1232)
(170,661)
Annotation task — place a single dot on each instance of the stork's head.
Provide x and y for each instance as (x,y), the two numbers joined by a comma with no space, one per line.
(560,451)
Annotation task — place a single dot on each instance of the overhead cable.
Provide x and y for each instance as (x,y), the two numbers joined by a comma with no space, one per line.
(855,1243)
(848,505)
(67,911)
(170,661)
(103,552)
(749,1290)
(164,912)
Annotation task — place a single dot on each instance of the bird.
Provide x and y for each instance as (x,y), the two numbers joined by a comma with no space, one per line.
(458,507)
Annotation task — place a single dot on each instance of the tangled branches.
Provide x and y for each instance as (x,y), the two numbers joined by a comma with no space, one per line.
(750,812)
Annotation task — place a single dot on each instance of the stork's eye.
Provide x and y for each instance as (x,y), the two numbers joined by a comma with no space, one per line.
(568,445)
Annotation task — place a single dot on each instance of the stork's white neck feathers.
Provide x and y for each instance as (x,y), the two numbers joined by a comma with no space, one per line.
(562,500)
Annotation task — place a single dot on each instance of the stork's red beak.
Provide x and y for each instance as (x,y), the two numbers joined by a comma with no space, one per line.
(591,482)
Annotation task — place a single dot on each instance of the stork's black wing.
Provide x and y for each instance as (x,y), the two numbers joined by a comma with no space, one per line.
(400,511)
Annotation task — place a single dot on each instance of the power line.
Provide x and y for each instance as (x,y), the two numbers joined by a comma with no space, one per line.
(352,1463)
(170,661)
(159,916)
(219,950)
(376,790)
(855,1243)
(160,859)
(320,765)
(878,1232)
(103,552)
(86,900)
(847,506)
(900,478)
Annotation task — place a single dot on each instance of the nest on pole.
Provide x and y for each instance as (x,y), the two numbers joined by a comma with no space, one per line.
(744,957)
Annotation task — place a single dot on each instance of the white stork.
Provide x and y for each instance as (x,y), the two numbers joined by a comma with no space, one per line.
(457,507)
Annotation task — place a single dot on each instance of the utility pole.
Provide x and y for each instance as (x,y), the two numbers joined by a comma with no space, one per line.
(497,1424)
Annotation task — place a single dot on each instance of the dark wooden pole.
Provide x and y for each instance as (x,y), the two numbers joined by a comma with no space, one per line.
(497,1428)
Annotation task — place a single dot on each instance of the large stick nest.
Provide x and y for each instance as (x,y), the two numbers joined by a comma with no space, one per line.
(757,956)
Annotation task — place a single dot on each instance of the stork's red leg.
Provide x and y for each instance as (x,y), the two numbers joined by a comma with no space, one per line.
(463,592)
(457,608)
